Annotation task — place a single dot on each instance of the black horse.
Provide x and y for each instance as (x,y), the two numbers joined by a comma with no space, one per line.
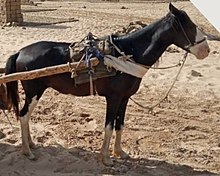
(145,45)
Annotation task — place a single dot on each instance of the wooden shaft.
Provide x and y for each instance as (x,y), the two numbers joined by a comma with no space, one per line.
(47,71)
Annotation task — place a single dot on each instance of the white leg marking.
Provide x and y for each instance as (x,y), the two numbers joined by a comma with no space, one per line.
(117,146)
(25,130)
(105,156)
(118,152)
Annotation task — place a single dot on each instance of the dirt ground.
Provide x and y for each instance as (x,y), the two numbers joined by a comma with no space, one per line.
(182,138)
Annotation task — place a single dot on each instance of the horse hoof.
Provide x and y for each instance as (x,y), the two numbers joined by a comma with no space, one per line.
(106,160)
(29,155)
(32,145)
(121,154)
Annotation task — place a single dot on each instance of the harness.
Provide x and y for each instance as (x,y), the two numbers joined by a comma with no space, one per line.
(89,47)
(103,49)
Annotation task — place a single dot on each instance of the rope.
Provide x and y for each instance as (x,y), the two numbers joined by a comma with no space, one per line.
(116,47)
(8,119)
(86,58)
(163,68)
(91,83)
(150,109)
(148,67)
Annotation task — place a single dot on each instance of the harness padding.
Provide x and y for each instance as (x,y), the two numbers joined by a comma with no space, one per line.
(125,66)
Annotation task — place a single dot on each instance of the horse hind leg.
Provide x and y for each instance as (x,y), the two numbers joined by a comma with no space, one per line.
(118,151)
(25,114)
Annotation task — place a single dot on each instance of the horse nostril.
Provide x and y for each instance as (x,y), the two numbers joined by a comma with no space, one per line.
(208,50)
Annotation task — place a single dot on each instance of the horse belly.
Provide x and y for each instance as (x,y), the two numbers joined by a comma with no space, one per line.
(121,85)
(63,83)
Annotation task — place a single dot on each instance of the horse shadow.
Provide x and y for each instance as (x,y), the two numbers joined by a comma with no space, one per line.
(57,160)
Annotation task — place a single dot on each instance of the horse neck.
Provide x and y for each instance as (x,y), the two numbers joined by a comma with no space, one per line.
(148,44)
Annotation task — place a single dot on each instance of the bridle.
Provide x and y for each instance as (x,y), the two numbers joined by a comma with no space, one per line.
(187,48)
(191,44)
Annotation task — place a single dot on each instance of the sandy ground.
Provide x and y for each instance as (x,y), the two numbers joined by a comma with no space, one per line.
(181,139)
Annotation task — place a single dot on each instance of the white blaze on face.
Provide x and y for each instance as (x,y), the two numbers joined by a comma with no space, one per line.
(200,50)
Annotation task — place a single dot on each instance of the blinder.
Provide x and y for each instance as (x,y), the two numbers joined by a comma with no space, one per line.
(195,43)
(191,44)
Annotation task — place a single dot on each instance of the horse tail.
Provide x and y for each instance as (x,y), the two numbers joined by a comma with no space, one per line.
(12,87)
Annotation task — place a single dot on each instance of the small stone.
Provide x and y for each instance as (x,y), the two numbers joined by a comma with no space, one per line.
(196,74)
(123,7)
(2,135)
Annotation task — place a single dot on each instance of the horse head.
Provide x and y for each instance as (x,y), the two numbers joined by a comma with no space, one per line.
(190,37)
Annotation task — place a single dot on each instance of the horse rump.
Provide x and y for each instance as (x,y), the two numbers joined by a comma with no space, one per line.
(12,87)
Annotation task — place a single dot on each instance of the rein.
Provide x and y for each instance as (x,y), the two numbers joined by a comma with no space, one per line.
(150,109)
(127,57)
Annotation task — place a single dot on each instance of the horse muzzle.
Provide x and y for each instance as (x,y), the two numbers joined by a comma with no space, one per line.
(200,50)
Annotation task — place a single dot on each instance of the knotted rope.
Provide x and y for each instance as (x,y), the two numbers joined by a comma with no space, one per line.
(150,109)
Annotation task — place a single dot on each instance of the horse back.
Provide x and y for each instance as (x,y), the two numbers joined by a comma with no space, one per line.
(42,54)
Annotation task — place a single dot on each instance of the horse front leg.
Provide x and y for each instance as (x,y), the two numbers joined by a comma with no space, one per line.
(25,114)
(118,151)
(113,104)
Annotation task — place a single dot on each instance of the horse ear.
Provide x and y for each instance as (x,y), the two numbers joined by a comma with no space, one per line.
(173,9)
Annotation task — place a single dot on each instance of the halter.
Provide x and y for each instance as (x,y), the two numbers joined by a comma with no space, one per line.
(191,44)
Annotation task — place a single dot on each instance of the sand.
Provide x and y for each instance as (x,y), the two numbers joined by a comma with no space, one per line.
(181,139)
